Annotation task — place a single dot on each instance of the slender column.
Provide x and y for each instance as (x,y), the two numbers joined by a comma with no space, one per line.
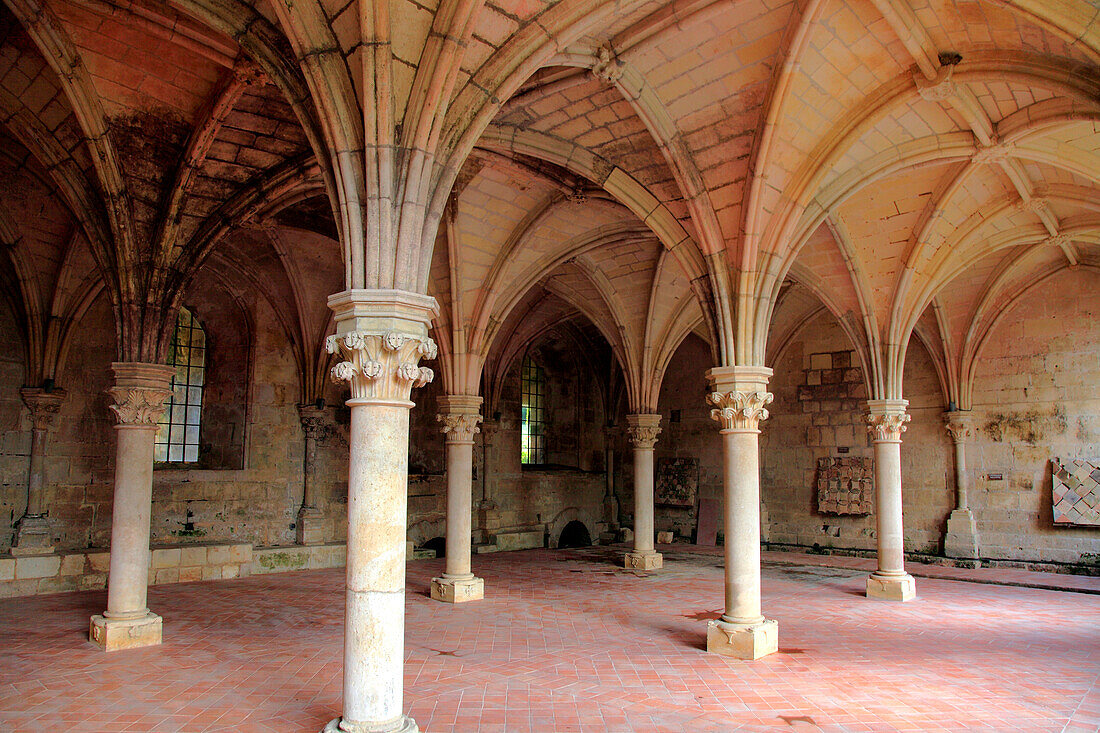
(382,335)
(33,536)
(459,415)
(642,431)
(739,399)
(961,539)
(310,528)
(488,516)
(610,500)
(139,394)
(886,422)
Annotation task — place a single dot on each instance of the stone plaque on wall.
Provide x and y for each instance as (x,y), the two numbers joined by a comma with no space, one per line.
(677,482)
(1076,489)
(845,485)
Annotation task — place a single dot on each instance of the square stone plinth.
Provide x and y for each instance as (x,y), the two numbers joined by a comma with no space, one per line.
(112,634)
(891,588)
(450,590)
(644,560)
(743,642)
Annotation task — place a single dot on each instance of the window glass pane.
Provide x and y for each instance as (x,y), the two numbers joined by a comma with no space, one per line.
(532,416)
(160,452)
(191,453)
(175,452)
(178,435)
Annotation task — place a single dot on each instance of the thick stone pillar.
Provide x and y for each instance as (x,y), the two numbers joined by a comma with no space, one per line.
(382,335)
(886,422)
(642,431)
(310,528)
(739,399)
(33,535)
(460,417)
(961,539)
(139,394)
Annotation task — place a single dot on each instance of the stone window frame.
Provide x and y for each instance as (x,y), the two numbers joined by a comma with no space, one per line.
(182,416)
(533,424)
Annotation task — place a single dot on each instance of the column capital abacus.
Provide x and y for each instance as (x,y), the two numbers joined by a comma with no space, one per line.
(139,392)
(642,430)
(460,416)
(959,425)
(44,406)
(886,419)
(382,335)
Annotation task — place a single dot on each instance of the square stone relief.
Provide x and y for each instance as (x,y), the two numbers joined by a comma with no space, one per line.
(845,485)
(677,482)
(1076,491)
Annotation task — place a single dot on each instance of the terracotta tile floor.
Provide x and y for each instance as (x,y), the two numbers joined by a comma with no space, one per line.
(566,641)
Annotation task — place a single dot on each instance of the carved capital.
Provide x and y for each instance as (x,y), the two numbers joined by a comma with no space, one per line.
(606,67)
(642,430)
(44,406)
(886,419)
(959,425)
(460,416)
(381,366)
(739,410)
(315,426)
(139,392)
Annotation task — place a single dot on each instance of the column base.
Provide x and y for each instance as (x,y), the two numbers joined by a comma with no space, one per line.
(404,724)
(310,529)
(750,641)
(961,539)
(34,537)
(644,561)
(458,590)
(112,634)
(891,587)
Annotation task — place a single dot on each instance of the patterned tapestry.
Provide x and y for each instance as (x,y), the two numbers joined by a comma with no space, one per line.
(845,485)
(1076,487)
(677,482)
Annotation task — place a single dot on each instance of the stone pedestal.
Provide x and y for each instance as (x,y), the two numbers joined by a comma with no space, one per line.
(459,415)
(457,590)
(139,393)
(112,634)
(381,335)
(310,526)
(644,560)
(743,641)
(739,399)
(961,540)
(642,431)
(886,422)
(33,534)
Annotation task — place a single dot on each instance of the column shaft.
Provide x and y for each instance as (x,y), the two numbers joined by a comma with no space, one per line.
(34,534)
(886,421)
(643,429)
(310,528)
(36,478)
(459,417)
(374,620)
(961,539)
(961,500)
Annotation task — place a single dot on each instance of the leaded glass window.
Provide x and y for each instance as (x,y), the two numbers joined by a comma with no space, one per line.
(533,413)
(177,438)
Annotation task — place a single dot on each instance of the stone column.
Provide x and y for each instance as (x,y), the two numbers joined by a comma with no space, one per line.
(33,535)
(459,415)
(886,422)
(310,528)
(642,430)
(382,335)
(139,394)
(610,500)
(488,515)
(739,399)
(961,539)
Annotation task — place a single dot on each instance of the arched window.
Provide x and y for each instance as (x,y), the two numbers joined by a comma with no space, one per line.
(533,415)
(177,438)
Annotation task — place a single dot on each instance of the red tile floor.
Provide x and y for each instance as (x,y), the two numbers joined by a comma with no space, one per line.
(567,641)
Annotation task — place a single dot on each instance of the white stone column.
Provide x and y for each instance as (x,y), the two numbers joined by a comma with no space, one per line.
(382,335)
(886,422)
(310,529)
(460,417)
(961,539)
(139,393)
(739,399)
(642,430)
(33,535)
